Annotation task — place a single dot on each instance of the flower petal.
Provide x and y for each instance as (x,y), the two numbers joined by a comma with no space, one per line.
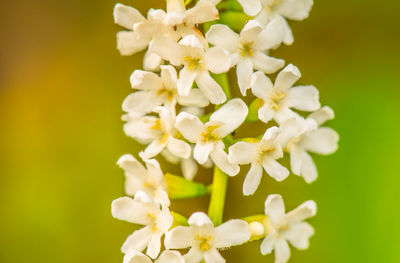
(308,168)
(144,80)
(175,6)
(261,85)
(251,7)
(195,98)
(252,180)
(131,165)
(168,49)
(137,241)
(128,45)
(210,88)
(295,9)
(154,246)
(305,210)
(282,251)
(220,159)
(242,152)
(178,238)
(271,36)
(189,168)
(231,233)
(303,98)
(287,77)
(136,257)
(202,12)
(153,149)
(250,31)
(244,71)
(266,63)
(154,170)
(265,113)
(169,256)
(152,61)
(179,148)
(202,151)
(213,256)
(127,16)
(190,126)
(299,235)
(222,36)
(324,141)
(217,60)
(322,115)
(268,244)
(140,102)
(199,219)
(185,81)
(275,208)
(132,211)
(232,115)
(194,255)
(275,169)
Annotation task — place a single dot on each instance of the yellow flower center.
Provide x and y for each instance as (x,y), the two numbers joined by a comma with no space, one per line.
(204,242)
(170,93)
(193,63)
(246,50)
(152,217)
(262,152)
(276,98)
(208,134)
(160,127)
(272,4)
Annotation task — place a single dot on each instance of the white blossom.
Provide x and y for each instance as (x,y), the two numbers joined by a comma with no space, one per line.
(204,239)
(286,227)
(281,97)
(167,256)
(143,211)
(159,133)
(174,24)
(198,61)
(269,10)
(301,137)
(149,180)
(249,48)
(261,155)
(154,90)
(208,137)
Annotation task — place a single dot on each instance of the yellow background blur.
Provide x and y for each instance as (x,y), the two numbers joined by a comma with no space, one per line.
(61,85)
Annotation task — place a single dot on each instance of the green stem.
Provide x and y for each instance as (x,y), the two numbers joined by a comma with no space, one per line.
(217,201)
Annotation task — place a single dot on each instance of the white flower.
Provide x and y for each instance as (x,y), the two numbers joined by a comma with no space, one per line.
(204,239)
(167,256)
(138,178)
(267,10)
(197,61)
(155,91)
(262,154)
(174,24)
(302,137)
(282,227)
(208,137)
(248,49)
(159,132)
(143,211)
(281,97)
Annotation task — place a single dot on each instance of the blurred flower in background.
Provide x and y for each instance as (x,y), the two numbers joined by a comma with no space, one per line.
(61,85)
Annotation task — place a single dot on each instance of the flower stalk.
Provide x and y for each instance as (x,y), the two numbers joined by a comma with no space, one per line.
(218,196)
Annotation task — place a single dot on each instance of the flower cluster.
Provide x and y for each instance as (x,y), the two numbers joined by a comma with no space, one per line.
(189,48)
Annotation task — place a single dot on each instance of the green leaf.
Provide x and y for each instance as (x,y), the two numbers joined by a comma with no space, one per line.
(180,188)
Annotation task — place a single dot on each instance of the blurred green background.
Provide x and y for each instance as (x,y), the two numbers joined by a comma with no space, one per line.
(61,85)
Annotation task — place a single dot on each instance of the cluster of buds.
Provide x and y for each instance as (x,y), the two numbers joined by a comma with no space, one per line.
(182,110)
